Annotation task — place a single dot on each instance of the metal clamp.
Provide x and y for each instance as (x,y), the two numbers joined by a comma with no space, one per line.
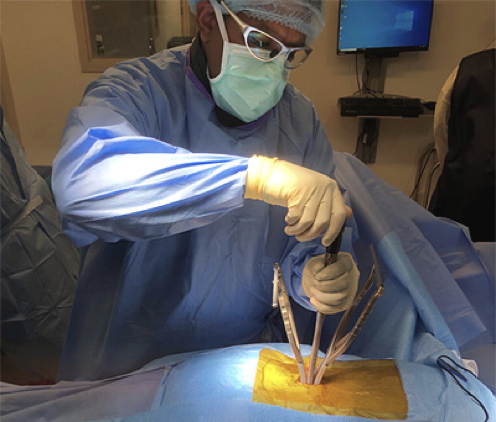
(340,342)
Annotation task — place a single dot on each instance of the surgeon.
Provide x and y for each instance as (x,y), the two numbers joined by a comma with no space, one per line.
(184,177)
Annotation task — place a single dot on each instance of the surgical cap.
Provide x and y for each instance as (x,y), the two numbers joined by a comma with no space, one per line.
(306,16)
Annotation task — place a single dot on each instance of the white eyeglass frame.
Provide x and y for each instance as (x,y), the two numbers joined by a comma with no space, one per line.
(245,29)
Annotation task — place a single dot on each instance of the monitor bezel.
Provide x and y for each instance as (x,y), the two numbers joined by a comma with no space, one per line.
(384,51)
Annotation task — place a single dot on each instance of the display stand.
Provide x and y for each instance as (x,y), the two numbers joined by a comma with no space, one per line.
(368,128)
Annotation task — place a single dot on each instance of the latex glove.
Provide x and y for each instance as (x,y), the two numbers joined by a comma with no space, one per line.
(333,288)
(314,202)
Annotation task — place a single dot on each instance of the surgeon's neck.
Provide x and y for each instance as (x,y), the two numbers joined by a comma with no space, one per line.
(199,67)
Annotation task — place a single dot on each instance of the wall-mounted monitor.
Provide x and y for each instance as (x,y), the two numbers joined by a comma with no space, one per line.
(384,28)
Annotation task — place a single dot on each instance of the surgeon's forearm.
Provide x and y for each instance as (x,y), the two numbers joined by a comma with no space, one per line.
(118,185)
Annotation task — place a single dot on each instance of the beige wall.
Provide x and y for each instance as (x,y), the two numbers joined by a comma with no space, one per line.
(459,28)
(168,28)
(39,41)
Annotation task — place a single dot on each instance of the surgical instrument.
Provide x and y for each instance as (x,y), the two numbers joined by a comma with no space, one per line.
(339,342)
(287,316)
(331,257)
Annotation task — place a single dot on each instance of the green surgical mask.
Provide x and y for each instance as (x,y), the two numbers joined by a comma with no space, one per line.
(247,87)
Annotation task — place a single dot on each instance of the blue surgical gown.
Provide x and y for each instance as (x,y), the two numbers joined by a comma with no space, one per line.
(150,185)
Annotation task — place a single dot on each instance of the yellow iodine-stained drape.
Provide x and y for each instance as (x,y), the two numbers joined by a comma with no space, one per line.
(365,388)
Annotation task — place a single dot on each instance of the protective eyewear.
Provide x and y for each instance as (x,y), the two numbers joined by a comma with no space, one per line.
(265,47)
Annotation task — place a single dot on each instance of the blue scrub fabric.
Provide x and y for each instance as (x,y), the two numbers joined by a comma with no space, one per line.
(39,267)
(450,279)
(458,275)
(175,260)
(217,386)
(409,323)
(150,185)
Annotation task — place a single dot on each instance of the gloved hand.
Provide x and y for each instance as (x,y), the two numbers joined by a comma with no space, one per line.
(333,288)
(314,202)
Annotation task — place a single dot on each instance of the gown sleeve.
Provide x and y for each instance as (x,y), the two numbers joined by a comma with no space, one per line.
(113,181)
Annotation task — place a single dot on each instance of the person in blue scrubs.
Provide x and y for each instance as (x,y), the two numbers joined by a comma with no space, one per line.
(184,177)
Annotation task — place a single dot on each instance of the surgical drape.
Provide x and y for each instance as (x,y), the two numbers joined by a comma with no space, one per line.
(39,267)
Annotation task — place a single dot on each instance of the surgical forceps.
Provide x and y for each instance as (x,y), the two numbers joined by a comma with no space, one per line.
(331,257)
(287,317)
(340,341)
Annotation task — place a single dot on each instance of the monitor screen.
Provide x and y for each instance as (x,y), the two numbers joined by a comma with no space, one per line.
(384,27)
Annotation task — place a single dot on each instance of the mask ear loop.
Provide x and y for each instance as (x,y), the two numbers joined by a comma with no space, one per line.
(220,20)
(223,31)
